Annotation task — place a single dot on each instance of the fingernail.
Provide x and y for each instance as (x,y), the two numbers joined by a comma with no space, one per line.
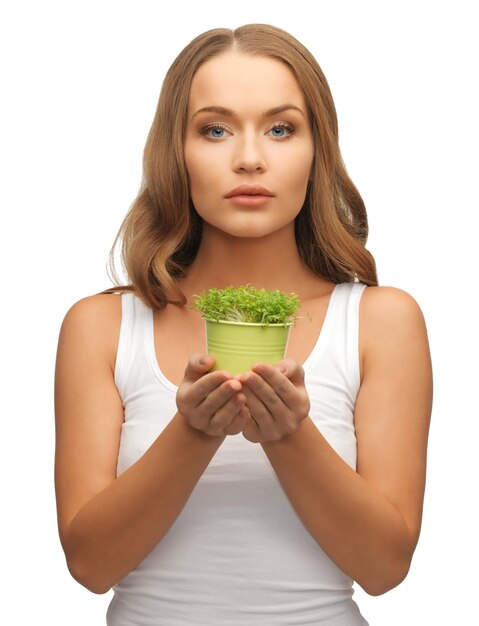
(204,360)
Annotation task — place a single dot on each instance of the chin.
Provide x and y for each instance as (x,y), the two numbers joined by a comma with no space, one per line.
(247,225)
(249,233)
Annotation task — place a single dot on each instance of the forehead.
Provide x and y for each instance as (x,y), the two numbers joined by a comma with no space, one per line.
(244,82)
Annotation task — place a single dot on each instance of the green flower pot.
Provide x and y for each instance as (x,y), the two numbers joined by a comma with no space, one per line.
(237,346)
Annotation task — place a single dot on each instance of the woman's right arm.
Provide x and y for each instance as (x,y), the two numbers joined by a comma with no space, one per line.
(108,525)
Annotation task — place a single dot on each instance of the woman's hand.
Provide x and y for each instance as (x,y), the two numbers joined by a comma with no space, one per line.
(211,402)
(276,398)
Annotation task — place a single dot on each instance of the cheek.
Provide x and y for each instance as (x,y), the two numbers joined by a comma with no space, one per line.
(190,160)
(295,162)
(200,168)
(295,172)
(203,182)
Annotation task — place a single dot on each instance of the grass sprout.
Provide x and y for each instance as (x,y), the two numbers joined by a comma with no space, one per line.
(248,304)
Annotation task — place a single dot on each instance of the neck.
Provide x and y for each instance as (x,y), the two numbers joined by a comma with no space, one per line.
(269,262)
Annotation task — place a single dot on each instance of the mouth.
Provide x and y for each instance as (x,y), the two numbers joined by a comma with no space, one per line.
(250,199)
(250,190)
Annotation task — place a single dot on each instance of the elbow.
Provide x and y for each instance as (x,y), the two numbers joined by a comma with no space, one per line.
(87,577)
(83,563)
(386,578)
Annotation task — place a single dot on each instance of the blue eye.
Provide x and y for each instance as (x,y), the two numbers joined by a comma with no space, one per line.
(282,128)
(214,128)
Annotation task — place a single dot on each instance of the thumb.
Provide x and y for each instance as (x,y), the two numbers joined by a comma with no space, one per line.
(292,370)
(198,365)
(205,361)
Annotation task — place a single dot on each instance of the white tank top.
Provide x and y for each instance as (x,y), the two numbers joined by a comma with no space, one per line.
(238,553)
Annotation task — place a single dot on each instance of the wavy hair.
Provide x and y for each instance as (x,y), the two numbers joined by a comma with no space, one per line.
(161,232)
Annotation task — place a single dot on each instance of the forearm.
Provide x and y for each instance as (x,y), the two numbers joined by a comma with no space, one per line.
(359,529)
(120,526)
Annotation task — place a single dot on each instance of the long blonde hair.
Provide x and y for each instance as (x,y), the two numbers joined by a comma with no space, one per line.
(161,232)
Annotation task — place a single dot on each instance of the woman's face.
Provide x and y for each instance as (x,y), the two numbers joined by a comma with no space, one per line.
(223,151)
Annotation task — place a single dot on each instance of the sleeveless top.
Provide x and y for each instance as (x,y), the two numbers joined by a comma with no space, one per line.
(238,553)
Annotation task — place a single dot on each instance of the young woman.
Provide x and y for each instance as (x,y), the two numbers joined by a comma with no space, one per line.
(203,497)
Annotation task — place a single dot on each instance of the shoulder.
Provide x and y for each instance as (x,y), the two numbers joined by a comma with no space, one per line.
(98,309)
(388,304)
(95,318)
(388,316)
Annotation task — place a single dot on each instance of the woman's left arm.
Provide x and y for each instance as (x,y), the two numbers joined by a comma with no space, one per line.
(367,521)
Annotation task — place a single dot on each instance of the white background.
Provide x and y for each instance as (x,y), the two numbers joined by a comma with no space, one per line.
(80,82)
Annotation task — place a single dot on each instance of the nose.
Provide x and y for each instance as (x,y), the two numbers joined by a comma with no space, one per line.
(248,155)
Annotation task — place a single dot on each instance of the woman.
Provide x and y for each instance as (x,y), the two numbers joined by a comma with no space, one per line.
(207,498)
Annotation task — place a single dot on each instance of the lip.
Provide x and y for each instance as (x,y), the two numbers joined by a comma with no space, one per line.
(249,200)
(249,190)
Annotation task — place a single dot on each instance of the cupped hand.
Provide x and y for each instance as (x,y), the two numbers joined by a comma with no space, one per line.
(211,402)
(276,399)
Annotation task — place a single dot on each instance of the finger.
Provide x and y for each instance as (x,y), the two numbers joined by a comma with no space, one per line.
(198,364)
(260,413)
(253,403)
(218,397)
(251,431)
(226,413)
(197,392)
(238,422)
(292,370)
(270,384)
(267,393)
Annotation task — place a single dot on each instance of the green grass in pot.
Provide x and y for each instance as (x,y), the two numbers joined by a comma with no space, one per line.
(247,304)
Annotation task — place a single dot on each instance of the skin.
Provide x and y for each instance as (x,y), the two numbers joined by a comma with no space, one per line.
(372,530)
(248,151)
(367,520)
(222,152)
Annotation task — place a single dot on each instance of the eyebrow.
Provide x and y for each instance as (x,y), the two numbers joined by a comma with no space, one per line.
(230,113)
